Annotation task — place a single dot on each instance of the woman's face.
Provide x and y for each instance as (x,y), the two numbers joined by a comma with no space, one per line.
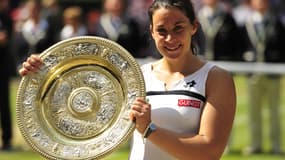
(172,32)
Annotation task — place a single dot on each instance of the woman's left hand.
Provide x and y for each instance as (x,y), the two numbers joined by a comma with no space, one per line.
(140,114)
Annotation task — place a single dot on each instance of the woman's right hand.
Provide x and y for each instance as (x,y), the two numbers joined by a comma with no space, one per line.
(141,114)
(31,65)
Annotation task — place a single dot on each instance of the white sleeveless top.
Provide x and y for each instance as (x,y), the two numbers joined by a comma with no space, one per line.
(178,109)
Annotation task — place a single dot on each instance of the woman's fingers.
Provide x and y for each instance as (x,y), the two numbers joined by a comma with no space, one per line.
(26,69)
(36,58)
(34,62)
(141,107)
(140,113)
(135,112)
(23,72)
(31,65)
(28,66)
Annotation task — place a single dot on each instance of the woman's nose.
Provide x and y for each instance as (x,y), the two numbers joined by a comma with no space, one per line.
(169,37)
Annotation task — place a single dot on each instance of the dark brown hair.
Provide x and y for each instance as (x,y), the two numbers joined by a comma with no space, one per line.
(185,6)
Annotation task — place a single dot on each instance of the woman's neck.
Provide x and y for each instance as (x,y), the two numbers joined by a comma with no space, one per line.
(185,66)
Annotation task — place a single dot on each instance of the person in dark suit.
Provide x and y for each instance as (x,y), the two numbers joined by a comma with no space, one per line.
(6,72)
(219,34)
(52,11)
(33,36)
(263,38)
(115,25)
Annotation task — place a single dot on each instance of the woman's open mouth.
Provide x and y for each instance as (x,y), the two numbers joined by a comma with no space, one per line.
(173,48)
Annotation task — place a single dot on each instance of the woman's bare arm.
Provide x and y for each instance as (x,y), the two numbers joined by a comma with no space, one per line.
(215,127)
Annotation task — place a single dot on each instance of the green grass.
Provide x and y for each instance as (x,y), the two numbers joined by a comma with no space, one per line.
(239,138)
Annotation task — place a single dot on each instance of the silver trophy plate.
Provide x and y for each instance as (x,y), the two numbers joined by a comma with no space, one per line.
(77,106)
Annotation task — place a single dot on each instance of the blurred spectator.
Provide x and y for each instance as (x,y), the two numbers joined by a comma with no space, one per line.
(220,33)
(93,17)
(14,4)
(197,5)
(241,12)
(138,10)
(52,12)
(73,23)
(279,8)
(116,25)
(19,15)
(32,36)
(264,37)
(5,72)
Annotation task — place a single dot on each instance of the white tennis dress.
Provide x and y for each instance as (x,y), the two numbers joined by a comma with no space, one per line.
(178,109)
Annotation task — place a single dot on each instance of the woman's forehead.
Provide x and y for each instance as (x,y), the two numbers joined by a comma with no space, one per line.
(163,15)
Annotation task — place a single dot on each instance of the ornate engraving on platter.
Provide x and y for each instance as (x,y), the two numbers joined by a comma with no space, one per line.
(77,106)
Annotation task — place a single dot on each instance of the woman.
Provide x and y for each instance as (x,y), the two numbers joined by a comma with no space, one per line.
(190,103)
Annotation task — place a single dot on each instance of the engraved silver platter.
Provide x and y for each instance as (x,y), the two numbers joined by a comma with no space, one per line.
(77,106)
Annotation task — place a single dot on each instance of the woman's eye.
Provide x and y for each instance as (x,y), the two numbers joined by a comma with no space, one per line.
(178,29)
(161,31)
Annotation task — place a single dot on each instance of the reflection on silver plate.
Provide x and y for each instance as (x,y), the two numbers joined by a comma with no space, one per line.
(77,106)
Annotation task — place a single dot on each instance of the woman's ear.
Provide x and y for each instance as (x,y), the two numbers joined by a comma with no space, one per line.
(195,26)
(151,30)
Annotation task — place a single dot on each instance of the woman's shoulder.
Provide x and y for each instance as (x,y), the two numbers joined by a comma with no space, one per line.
(220,88)
(217,72)
(220,78)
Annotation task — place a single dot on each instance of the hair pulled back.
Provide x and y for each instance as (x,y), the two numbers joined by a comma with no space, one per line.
(185,6)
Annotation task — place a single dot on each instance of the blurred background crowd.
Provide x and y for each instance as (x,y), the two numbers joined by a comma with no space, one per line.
(37,24)
(230,30)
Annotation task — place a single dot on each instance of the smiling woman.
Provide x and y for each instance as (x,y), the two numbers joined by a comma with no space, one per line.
(170,31)
(185,112)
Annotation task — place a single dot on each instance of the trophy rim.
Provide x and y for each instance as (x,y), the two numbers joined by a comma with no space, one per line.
(92,39)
